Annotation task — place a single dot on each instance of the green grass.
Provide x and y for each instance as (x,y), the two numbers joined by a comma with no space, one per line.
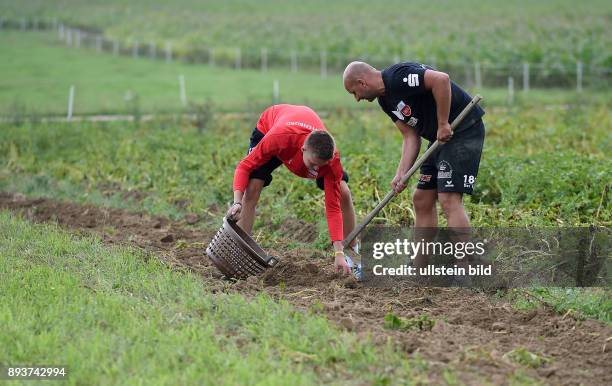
(526,358)
(114,317)
(549,32)
(42,71)
(580,303)
(422,322)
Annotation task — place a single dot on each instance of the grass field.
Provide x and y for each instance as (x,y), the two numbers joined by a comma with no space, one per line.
(138,319)
(546,32)
(141,323)
(537,170)
(118,307)
(42,71)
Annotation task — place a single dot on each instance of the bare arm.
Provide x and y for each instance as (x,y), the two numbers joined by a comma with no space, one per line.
(261,154)
(439,84)
(238,196)
(411,145)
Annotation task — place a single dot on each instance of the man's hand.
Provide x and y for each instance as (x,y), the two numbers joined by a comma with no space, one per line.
(233,213)
(444,132)
(396,183)
(341,265)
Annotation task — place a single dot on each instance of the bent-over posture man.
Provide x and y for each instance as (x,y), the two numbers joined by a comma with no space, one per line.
(295,136)
(421,102)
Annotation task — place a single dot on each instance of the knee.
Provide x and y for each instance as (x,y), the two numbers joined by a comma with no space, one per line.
(424,200)
(450,201)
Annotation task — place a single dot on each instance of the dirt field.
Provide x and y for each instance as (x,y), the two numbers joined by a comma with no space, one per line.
(472,331)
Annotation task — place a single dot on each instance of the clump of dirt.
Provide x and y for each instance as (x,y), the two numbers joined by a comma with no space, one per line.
(290,273)
(471,332)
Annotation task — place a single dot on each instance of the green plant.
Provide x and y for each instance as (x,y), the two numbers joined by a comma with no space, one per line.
(203,114)
(421,322)
(524,357)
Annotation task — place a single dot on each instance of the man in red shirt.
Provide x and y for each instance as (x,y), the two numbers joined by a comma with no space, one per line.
(295,136)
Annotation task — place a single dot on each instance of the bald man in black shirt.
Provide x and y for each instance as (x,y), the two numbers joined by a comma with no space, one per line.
(421,102)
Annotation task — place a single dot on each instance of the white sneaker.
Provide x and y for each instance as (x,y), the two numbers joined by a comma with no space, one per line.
(353,260)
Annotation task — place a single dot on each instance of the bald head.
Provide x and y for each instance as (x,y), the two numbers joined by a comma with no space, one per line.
(357,70)
(363,81)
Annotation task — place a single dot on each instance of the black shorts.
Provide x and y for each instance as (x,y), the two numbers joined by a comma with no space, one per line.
(454,166)
(264,172)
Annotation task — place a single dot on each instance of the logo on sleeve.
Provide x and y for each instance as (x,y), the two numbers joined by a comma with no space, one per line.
(401,107)
(406,111)
(412,80)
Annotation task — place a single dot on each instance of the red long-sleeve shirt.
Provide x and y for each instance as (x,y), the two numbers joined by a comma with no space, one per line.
(285,128)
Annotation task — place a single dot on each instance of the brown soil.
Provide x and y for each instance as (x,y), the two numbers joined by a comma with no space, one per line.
(110,189)
(472,331)
(300,230)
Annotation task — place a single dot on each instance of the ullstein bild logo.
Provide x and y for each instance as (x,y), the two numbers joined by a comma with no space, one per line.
(432,270)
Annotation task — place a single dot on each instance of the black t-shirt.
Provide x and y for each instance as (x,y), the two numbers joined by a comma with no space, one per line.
(407,99)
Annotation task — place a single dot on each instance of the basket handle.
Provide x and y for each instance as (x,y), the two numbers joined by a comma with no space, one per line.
(245,240)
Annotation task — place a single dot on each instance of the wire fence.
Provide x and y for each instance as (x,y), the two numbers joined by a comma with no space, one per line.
(474,75)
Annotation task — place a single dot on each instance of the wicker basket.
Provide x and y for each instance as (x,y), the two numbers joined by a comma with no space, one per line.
(236,254)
